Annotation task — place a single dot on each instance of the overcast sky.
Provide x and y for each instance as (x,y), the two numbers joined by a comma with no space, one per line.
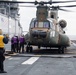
(26,14)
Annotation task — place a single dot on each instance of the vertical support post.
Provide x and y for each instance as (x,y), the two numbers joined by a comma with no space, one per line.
(8,17)
(15,26)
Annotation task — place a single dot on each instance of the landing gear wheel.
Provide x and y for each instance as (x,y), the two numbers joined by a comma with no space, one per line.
(31,49)
(27,49)
(38,47)
(61,50)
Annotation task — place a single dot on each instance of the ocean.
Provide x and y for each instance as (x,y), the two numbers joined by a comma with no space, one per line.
(72,37)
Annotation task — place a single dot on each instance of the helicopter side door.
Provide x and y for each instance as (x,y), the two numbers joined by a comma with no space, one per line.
(53,33)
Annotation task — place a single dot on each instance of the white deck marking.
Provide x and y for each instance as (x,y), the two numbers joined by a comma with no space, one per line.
(10,58)
(30,61)
(7,56)
(14,58)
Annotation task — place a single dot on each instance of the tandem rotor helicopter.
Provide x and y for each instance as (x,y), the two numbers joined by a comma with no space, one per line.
(45,30)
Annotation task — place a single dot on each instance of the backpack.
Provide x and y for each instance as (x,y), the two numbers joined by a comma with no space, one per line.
(5,40)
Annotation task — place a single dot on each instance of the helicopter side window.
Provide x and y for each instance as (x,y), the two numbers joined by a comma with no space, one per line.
(36,24)
(32,24)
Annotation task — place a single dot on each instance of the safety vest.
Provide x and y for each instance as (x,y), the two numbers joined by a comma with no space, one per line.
(1,41)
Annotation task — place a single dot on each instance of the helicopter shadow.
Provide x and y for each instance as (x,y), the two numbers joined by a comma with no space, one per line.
(44,51)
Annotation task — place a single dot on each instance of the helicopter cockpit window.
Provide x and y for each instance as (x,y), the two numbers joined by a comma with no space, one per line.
(40,24)
(46,25)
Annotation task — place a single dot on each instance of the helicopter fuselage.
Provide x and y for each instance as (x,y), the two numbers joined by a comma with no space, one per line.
(46,34)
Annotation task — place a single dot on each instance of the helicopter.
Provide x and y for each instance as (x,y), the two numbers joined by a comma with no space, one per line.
(45,30)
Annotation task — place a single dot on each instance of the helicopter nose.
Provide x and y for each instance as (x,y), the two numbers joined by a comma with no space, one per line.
(39,34)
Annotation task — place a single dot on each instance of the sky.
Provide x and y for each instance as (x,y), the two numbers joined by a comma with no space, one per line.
(26,14)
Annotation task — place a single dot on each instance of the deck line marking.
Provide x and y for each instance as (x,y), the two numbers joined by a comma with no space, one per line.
(30,61)
(10,58)
(7,56)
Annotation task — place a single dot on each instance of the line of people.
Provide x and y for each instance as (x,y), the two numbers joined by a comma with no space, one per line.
(17,44)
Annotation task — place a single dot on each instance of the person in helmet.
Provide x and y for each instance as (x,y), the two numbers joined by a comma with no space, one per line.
(3,40)
(16,41)
(12,44)
(21,40)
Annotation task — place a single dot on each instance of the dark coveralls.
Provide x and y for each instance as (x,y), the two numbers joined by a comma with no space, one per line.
(3,40)
(15,43)
(22,40)
(12,44)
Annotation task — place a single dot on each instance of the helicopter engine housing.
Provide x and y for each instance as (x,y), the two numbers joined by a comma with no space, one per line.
(62,23)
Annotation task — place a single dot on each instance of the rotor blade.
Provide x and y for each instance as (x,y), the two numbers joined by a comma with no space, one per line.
(68,6)
(52,2)
(1,1)
(65,10)
(58,8)
(62,1)
(36,2)
(26,6)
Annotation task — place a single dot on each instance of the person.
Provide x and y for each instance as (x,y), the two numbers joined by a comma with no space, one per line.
(3,40)
(21,40)
(12,44)
(17,44)
(15,38)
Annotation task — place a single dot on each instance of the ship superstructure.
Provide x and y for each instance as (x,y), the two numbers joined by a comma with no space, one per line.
(9,19)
